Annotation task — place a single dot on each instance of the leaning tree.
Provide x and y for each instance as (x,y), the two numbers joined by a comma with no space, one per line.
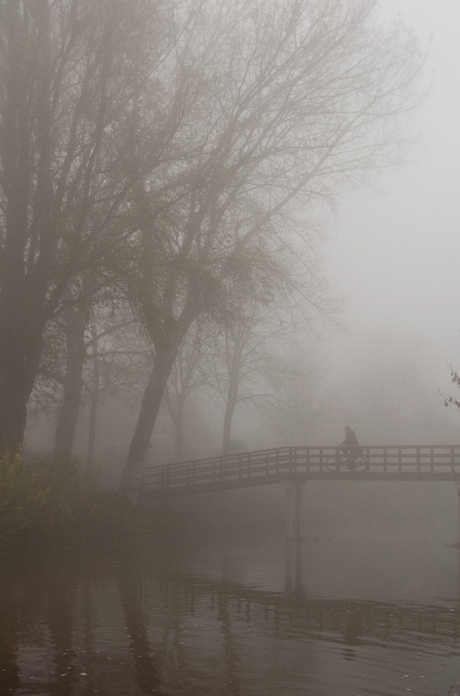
(281,104)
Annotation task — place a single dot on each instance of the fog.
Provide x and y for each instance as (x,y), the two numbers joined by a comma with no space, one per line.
(393,252)
(389,256)
(380,363)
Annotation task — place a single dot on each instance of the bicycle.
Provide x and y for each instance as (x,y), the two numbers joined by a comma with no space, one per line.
(341,461)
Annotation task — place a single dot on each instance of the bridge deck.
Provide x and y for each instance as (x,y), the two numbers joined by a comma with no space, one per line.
(402,463)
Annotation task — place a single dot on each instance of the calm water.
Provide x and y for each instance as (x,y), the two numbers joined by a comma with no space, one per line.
(345,613)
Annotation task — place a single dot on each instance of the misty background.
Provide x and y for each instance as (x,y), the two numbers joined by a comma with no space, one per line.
(388,254)
(294,322)
(394,250)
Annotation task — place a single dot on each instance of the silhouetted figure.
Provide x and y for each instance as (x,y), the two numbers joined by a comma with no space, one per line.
(350,446)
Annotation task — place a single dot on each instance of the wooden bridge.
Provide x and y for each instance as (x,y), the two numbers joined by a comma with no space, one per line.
(296,465)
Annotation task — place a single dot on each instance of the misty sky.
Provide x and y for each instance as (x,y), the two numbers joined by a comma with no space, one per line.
(395,251)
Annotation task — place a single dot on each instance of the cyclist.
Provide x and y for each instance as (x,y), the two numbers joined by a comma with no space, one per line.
(350,446)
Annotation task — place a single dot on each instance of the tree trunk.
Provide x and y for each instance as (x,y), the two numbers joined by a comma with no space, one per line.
(232,399)
(93,415)
(176,407)
(20,351)
(14,394)
(75,323)
(227,431)
(23,284)
(153,395)
(178,424)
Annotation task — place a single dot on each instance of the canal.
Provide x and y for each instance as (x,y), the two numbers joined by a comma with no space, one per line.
(352,609)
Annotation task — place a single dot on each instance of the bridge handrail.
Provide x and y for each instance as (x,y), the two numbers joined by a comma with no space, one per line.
(286,461)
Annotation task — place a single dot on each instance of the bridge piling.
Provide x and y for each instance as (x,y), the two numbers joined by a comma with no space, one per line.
(457,488)
(293,510)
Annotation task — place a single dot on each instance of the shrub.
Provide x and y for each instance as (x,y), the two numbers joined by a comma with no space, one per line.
(24,497)
(45,505)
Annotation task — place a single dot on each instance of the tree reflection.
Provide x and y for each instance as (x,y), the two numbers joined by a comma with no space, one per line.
(60,619)
(131,596)
(9,668)
(129,628)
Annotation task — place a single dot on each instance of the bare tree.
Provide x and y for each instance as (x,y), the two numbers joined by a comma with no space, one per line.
(75,318)
(118,357)
(191,373)
(93,349)
(280,104)
(297,412)
(71,75)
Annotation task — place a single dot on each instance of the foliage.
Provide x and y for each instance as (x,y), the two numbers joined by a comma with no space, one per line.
(44,506)
(449,400)
(24,497)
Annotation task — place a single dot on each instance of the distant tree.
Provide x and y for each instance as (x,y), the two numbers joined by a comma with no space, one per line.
(248,349)
(191,373)
(91,350)
(118,356)
(387,392)
(297,411)
(75,318)
(280,104)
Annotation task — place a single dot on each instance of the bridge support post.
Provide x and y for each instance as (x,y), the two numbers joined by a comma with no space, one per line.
(293,534)
(457,488)
(293,567)
(293,510)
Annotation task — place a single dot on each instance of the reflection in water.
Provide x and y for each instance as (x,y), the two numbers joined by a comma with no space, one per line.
(131,598)
(141,624)
(294,560)
(9,669)
(60,603)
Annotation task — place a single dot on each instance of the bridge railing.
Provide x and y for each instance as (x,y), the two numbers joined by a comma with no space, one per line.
(250,468)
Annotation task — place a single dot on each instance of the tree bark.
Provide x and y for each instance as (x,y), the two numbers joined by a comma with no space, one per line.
(151,402)
(178,425)
(227,430)
(20,350)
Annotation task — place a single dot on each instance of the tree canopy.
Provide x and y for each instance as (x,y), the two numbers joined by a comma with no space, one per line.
(170,152)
